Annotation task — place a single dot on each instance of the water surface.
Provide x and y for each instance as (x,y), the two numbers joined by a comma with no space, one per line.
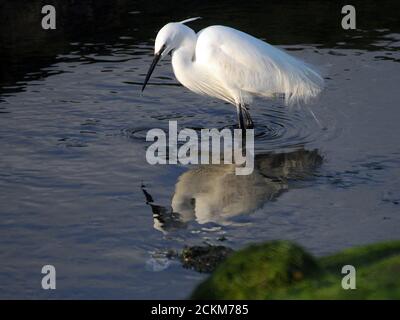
(72,133)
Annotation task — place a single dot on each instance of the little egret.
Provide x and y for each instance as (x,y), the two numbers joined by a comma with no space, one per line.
(231,65)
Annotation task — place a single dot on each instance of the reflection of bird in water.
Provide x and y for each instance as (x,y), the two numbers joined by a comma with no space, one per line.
(214,193)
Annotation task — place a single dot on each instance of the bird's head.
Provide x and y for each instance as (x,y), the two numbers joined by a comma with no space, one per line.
(168,38)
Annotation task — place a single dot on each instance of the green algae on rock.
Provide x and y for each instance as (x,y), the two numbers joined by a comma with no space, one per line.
(258,270)
(283,270)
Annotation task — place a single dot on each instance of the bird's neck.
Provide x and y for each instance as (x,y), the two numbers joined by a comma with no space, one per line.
(185,53)
(183,59)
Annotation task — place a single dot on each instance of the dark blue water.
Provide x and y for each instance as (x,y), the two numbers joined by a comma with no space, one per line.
(72,160)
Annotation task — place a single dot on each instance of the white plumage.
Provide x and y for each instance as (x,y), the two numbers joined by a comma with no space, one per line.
(234,66)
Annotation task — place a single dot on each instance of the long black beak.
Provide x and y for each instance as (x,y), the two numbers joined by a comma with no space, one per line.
(153,65)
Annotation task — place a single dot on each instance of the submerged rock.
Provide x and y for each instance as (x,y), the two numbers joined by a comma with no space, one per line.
(283,270)
(204,258)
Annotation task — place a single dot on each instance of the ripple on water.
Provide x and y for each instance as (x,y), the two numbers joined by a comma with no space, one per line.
(277,128)
(281,127)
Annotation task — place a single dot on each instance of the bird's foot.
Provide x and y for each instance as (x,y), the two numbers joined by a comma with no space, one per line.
(249,121)
(249,124)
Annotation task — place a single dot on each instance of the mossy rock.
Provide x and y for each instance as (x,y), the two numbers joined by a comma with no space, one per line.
(283,270)
(256,271)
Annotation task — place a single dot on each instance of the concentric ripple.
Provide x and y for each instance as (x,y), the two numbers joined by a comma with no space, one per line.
(281,127)
(277,127)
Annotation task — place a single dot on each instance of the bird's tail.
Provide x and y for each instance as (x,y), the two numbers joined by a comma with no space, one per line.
(300,82)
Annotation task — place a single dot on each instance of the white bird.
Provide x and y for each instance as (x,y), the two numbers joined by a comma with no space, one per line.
(231,65)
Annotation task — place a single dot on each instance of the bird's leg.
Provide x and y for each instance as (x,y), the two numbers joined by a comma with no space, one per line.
(240,116)
(249,121)
(242,126)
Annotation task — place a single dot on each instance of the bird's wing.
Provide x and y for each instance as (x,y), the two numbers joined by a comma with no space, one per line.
(243,62)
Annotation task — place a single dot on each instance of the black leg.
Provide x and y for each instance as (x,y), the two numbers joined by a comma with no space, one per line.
(240,117)
(249,121)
